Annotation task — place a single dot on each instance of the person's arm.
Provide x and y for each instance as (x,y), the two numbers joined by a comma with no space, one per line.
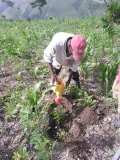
(53,74)
(49,53)
(51,68)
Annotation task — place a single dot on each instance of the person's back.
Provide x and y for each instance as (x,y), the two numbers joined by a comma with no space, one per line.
(57,49)
(65,49)
(61,37)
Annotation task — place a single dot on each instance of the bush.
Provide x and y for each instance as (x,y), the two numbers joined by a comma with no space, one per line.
(113,11)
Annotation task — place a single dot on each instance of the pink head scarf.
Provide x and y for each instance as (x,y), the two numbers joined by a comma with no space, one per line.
(78,44)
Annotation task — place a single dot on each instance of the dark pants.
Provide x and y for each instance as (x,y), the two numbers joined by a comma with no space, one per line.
(75,77)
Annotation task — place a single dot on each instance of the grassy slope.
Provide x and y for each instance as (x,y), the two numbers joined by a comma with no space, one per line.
(20,37)
(22,44)
(26,35)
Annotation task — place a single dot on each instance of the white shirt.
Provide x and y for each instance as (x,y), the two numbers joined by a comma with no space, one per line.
(55,52)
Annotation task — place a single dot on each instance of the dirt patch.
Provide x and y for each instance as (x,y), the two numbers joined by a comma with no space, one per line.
(11,135)
(85,118)
(10,78)
(93,133)
(7,80)
(100,142)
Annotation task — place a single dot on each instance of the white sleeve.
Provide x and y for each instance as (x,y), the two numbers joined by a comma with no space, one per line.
(49,53)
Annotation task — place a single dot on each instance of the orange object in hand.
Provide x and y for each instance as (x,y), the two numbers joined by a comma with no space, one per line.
(58,100)
(58,89)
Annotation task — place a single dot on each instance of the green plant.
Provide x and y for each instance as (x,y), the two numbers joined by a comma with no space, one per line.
(42,145)
(58,114)
(62,134)
(73,91)
(33,114)
(85,99)
(81,95)
(108,26)
(20,154)
(112,16)
(107,74)
(113,11)
(12,103)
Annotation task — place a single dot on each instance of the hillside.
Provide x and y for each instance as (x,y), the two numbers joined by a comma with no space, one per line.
(15,9)
(32,127)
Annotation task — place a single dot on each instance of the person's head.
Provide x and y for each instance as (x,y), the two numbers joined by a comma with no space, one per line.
(77,47)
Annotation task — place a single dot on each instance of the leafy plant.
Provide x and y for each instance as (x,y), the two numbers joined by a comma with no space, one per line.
(12,103)
(34,121)
(58,114)
(112,16)
(81,95)
(85,99)
(42,145)
(20,154)
(108,26)
(107,73)
(113,11)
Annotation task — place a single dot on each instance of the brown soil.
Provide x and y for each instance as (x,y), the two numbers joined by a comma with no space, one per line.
(93,133)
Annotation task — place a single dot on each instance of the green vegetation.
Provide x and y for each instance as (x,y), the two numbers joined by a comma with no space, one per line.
(22,44)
